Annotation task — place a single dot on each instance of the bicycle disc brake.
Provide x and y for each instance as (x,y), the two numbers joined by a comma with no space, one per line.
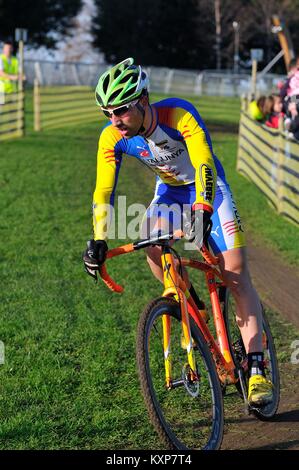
(192,386)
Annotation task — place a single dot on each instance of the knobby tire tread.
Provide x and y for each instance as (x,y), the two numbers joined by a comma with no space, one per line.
(141,352)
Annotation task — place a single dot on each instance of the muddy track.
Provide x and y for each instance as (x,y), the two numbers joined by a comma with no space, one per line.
(277,282)
(278,286)
(281,433)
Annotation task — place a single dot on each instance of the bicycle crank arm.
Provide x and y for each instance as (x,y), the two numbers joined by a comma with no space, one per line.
(244,390)
(177,383)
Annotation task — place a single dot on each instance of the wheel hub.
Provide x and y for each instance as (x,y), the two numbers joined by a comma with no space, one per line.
(192,386)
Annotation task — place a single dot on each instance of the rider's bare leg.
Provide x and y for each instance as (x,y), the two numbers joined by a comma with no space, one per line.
(234,267)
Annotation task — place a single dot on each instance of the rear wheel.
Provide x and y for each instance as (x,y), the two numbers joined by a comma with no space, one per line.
(190,414)
(240,357)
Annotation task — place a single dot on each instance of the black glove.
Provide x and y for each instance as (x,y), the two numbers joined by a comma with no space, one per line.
(94,256)
(199,229)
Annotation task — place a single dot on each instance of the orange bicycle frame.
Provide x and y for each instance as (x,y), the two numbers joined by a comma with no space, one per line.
(174,286)
(220,349)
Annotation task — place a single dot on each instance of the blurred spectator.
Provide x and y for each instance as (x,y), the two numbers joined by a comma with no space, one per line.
(292,120)
(284,89)
(273,109)
(293,89)
(256,109)
(9,69)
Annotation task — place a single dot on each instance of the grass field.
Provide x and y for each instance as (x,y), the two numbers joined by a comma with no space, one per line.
(69,379)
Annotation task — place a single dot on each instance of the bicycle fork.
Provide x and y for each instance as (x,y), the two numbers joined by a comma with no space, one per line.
(173,287)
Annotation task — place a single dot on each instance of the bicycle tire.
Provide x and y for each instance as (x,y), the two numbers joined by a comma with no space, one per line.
(272,371)
(178,424)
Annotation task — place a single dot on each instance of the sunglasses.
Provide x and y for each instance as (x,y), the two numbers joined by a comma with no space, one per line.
(120,111)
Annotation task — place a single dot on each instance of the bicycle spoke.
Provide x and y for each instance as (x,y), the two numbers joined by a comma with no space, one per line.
(239,354)
(189,410)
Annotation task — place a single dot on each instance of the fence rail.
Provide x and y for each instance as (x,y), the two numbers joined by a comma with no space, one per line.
(12,116)
(61,106)
(270,159)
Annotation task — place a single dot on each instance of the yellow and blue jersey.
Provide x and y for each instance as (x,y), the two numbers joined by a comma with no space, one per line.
(177,147)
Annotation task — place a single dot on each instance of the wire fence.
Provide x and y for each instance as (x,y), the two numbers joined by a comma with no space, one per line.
(270,158)
(63,91)
(208,83)
(49,73)
(12,116)
(162,79)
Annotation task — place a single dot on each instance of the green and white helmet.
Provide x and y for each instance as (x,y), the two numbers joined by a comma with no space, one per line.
(121,84)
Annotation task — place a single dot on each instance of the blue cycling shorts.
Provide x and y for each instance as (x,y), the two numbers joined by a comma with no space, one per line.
(170,201)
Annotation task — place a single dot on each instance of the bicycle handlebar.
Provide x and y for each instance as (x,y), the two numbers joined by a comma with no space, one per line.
(110,283)
(121,250)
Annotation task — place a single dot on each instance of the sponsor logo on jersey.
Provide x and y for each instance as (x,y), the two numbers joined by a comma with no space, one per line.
(216,231)
(144,153)
(165,158)
(237,216)
(207,182)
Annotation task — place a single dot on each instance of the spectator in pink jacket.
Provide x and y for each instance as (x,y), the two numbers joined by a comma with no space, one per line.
(284,88)
(294,85)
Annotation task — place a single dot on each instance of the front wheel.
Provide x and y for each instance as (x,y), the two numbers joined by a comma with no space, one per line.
(189,415)
(240,357)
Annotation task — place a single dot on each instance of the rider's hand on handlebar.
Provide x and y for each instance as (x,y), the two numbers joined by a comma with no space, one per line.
(199,227)
(94,256)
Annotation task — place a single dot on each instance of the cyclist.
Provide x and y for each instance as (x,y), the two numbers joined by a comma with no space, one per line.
(171,138)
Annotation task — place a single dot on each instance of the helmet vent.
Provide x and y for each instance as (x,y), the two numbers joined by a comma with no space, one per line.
(106,83)
(127,94)
(124,79)
(117,73)
(113,96)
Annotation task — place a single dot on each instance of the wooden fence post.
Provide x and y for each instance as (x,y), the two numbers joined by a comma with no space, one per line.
(20,101)
(280,172)
(253,78)
(36,106)
(244,103)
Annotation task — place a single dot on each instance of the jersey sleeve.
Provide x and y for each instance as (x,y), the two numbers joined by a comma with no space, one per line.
(201,156)
(108,164)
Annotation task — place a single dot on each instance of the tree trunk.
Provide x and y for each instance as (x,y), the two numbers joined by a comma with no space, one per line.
(218,33)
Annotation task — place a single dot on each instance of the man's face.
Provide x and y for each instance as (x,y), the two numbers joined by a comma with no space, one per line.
(129,122)
(7,50)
